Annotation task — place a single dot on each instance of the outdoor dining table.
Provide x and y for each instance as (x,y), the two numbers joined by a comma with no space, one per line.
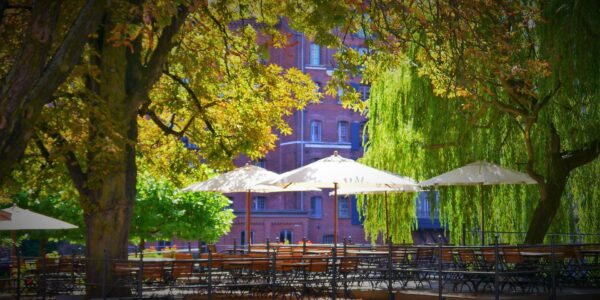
(368,252)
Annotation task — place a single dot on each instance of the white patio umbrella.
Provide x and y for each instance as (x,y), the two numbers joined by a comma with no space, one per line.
(385,191)
(480,173)
(336,172)
(245,179)
(16,218)
(23,219)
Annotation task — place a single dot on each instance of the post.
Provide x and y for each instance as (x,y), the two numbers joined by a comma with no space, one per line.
(304,245)
(334,272)
(274,276)
(482,216)
(390,271)
(268,246)
(18,255)
(73,269)
(104,267)
(209,292)
(234,246)
(496,268)
(553,261)
(345,246)
(440,274)
(335,214)
(44,276)
(248,220)
(189,247)
(464,234)
(140,276)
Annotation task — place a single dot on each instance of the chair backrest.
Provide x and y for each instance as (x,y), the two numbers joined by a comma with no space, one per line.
(489,255)
(467,256)
(182,269)
(153,270)
(318,264)
(512,255)
(348,265)
(183,255)
(212,248)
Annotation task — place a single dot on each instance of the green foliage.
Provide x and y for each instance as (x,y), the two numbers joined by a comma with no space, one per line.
(458,94)
(162,212)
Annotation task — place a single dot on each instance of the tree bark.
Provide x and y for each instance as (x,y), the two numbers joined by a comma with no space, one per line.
(559,165)
(37,73)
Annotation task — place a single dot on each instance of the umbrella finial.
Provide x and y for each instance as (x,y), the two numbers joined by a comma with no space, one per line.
(335,153)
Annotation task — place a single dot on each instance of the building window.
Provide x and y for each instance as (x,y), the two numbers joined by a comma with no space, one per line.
(343,208)
(162,244)
(243,237)
(328,239)
(258,203)
(364,91)
(261,163)
(315,131)
(230,206)
(315,55)
(343,131)
(316,206)
(340,93)
(285,235)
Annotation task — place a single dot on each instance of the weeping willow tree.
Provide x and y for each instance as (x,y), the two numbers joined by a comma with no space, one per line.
(515,84)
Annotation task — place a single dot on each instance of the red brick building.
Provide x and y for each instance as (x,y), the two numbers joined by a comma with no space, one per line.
(318,130)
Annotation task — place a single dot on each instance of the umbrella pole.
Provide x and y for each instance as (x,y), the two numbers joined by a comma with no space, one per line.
(13,234)
(482,215)
(387,219)
(248,232)
(335,214)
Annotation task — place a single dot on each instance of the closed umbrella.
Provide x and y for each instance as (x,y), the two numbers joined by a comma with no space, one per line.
(336,172)
(245,179)
(480,173)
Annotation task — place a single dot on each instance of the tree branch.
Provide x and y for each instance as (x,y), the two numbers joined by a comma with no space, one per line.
(164,127)
(584,155)
(153,69)
(69,52)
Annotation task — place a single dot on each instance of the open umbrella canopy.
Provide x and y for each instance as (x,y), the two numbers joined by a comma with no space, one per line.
(380,190)
(22,219)
(480,172)
(236,181)
(245,179)
(338,171)
(240,180)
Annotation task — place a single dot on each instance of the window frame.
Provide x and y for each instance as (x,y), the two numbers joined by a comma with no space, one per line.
(316,137)
(259,203)
(314,58)
(345,131)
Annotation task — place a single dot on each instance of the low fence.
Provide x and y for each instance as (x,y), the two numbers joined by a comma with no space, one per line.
(321,271)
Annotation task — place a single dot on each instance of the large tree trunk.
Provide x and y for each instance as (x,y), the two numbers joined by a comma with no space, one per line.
(559,164)
(546,209)
(107,230)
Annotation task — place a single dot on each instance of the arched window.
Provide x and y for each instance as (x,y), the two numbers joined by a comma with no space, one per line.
(315,55)
(285,235)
